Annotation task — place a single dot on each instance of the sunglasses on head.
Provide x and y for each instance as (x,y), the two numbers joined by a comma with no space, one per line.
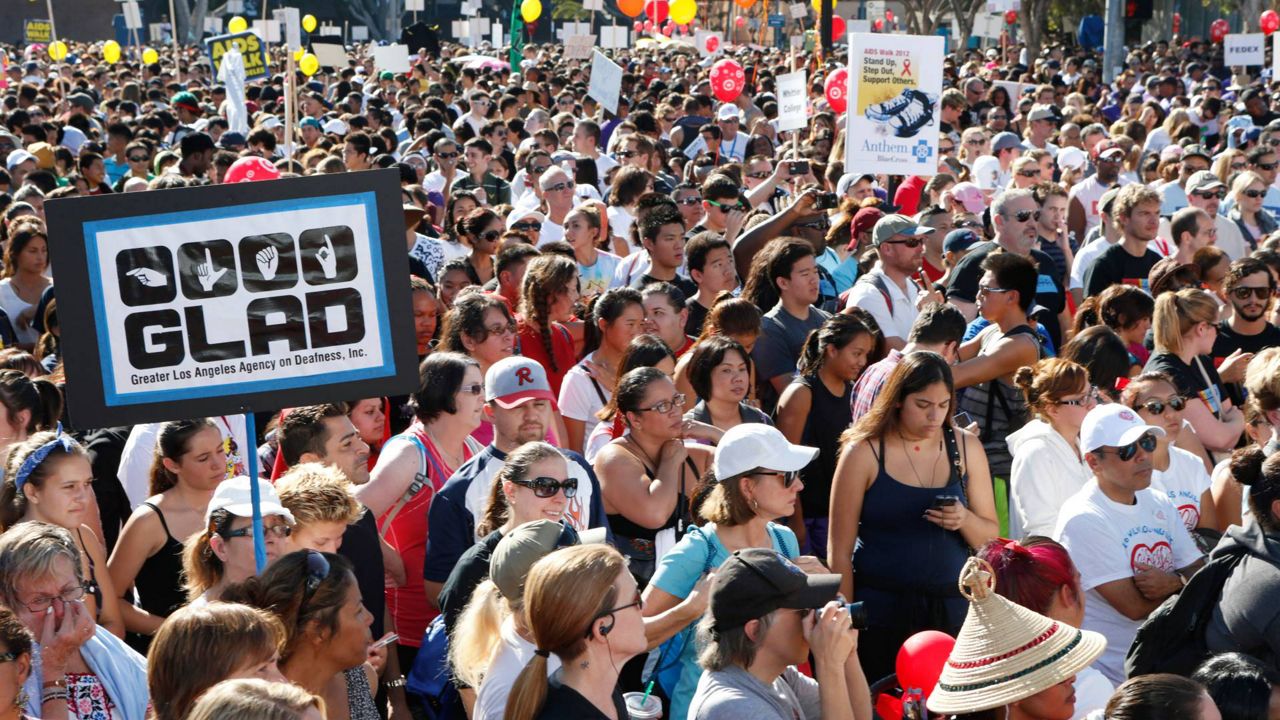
(545,487)
(1157,407)
(318,569)
(1243,292)
(1125,453)
(1025,215)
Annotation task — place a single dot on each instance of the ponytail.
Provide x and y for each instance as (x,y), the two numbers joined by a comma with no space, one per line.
(477,634)
(1177,313)
(810,356)
(529,691)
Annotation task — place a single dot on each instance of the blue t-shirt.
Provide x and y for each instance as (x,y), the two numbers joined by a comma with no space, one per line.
(678,572)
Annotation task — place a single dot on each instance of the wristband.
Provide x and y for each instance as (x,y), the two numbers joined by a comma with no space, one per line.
(59,683)
(397,683)
(52,695)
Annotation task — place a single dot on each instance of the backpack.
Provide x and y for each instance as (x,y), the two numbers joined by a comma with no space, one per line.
(1171,639)
(430,677)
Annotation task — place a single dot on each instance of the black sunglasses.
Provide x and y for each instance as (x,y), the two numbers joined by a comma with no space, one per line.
(281,531)
(911,244)
(1025,215)
(545,487)
(1255,193)
(318,568)
(526,226)
(691,200)
(788,478)
(638,602)
(490,235)
(1157,407)
(1267,166)
(1127,452)
(448,155)
(1211,194)
(1243,293)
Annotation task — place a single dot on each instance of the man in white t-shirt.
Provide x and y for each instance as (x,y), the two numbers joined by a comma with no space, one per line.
(1082,205)
(889,292)
(1127,540)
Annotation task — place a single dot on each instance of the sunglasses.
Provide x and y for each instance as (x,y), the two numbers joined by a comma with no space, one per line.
(318,568)
(984,290)
(1029,174)
(472,389)
(1157,407)
(1211,194)
(910,244)
(975,142)
(1267,166)
(788,478)
(727,207)
(545,487)
(448,155)
(946,149)
(1237,167)
(1243,293)
(279,531)
(638,602)
(526,226)
(138,158)
(625,154)
(819,223)
(1025,215)
(490,235)
(691,200)
(1255,194)
(662,407)
(539,170)
(557,187)
(1126,453)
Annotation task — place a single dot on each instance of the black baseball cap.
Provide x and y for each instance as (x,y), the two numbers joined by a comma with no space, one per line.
(754,582)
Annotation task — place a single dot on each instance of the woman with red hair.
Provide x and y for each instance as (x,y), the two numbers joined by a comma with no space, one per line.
(1037,573)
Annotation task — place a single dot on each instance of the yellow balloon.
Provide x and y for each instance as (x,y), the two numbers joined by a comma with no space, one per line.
(111,51)
(237,24)
(57,50)
(297,54)
(309,23)
(817,6)
(150,56)
(530,10)
(683,11)
(309,64)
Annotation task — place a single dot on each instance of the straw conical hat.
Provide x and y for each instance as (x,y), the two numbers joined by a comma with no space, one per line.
(1005,652)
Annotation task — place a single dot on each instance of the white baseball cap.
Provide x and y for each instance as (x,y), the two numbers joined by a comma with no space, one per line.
(749,446)
(1073,158)
(235,496)
(1113,425)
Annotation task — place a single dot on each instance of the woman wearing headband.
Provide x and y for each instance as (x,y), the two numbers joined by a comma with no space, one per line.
(48,479)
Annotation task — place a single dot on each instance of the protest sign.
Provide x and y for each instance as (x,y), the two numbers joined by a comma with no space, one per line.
(798,11)
(606,81)
(1275,55)
(330,54)
(360,32)
(291,19)
(251,49)
(614,36)
(391,57)
(708,43)
(793,103)
(1244,49)
(895,83)
(578,47)
(415,5)
(468,9)
(269,29)
(37,31)
(132,16)
(593,5)
(233,297)
(235,7)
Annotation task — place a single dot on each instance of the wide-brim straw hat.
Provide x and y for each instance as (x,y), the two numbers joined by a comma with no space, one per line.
(1005,652)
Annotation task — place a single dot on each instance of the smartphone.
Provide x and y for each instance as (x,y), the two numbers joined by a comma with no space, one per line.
(962,419)
(945,501)
(385,641)
(825,201)
(798,167)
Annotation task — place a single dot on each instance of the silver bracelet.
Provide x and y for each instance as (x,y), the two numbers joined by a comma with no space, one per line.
(53,695)
(397,683)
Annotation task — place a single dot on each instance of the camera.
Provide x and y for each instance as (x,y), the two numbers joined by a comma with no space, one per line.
(798,167)
(825,201)
(857,615)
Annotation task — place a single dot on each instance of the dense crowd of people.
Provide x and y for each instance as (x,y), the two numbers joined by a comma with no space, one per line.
(708,424)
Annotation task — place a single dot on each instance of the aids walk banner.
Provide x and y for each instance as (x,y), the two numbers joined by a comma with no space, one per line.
(37,31)
(250,45)
(895,83)
(220,299)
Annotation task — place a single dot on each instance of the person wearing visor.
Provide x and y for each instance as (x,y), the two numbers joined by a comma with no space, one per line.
(756,479)
(766,617)
(893,291)
(1128,541)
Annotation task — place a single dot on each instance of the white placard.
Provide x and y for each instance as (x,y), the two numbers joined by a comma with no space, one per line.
(793,104)
(459,30)
(498,34)
(797,42)
(799,11)
(211,25)
(477,28)
(235,7)
(1244,49)
(578,47)
(895,83)
(615,36)
(606,81)
(988,26)
(1275,56)
(593,4)
(291,19)
(875,8)
(133,16)
(1014,89)
(469,10)
(859,26)
(391,57)
(269,29)
(360,32)
(415,5)
(330,55)
(329,30)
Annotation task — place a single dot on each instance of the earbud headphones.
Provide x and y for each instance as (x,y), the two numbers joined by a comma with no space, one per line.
(606,629)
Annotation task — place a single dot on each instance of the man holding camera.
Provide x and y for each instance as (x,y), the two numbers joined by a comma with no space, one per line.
(765,617)
(891,292)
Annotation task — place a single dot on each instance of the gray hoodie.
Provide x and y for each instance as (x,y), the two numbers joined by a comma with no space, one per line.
(1247,618)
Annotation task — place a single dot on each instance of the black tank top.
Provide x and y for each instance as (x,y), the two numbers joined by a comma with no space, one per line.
(829,416)
(159,582)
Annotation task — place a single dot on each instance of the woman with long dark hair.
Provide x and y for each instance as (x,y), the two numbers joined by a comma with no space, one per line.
(617,318)
(643,351)
(23,278)
(547,299)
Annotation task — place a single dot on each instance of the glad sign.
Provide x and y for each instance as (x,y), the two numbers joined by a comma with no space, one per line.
(236,293)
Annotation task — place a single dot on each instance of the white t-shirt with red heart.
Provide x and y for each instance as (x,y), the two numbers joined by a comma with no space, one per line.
(1184,484)
(1106,541)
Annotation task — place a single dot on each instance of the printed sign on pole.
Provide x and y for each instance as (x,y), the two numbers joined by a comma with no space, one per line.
(291,18)
(415,5)
(468,9)
(593,4)
(793,105)
(578,47)
(895,83)
(234,297)
(606,81)
(269,29)
(1275,55)
(1244,49)
(875,8)
(132,16)
(235,7)
(614,36)
(799,11)
(360,32)
(498,34)
(251,48)
(330,54)
(37,31)
(391,57)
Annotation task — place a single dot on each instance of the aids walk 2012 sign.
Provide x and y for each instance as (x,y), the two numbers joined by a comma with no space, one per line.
(214,300)
(895,83)
(251,49)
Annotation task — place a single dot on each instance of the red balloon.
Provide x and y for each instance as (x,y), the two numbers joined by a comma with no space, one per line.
(656,10)
(1218,30)
(920,660)
(838,27)
(837,90)
(888,15)
(713,43)
(878,25)
(249,169)
(727,79)
(889,707)
(1269,21)
(1011,17)
(639,26)
(1177,23)
(648,25)
(740,21)
(667,30)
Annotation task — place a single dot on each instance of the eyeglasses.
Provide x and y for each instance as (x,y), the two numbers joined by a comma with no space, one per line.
(1210,194)
(564,101)
(788,478)
(318,568)
(508,329)
(1107,161)
(545,487)
(725,207)
(638,603)
(1025,215)
(448,155)
(1243,292)
(1090,398)
(279,531)
(527,226)
(1157,407)
(472,389)
(910,244)
(490,235)
(664,407)
(1126,453)
(691,200)
(987,290)
(138,158)
(1267,166)
(557,187)
(1255,194)
(539,170)
(42,604)
(1029,174)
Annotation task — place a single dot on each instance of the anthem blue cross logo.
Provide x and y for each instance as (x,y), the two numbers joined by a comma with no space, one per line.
(923,151)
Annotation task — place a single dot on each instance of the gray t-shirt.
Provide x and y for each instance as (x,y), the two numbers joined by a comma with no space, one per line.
(782,338)
(735,694)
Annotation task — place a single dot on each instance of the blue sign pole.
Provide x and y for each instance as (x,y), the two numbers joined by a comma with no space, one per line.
(255,495)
